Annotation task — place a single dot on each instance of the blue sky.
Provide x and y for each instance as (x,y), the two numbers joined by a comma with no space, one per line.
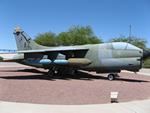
(108,18)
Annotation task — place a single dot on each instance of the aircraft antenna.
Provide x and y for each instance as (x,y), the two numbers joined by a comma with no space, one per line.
(130,31)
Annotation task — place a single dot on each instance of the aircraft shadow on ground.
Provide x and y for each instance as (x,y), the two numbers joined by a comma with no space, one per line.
(78,76)
(24,70)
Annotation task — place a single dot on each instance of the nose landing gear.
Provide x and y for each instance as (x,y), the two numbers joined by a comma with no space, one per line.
(112,76)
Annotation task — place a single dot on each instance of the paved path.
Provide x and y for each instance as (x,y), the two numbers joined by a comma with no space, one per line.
(11,64)
(25,84)
(143,71)
(18,84)
(129,107)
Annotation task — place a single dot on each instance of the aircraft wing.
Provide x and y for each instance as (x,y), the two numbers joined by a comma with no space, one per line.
(73,56)
(69,52)
(58,50)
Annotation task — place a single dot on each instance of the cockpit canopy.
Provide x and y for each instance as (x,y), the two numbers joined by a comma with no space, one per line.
(124,45)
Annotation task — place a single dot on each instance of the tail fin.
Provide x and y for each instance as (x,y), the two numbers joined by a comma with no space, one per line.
(24,42)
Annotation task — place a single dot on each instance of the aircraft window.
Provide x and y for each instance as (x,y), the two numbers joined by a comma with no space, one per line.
(130,46)
(119,45)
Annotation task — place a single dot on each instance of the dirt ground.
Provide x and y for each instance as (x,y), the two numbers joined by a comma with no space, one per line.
(19,83)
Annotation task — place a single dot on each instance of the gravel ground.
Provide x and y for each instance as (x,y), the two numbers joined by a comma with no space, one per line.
(29,85)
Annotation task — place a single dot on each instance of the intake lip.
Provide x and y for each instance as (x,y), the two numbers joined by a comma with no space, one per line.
(146,54)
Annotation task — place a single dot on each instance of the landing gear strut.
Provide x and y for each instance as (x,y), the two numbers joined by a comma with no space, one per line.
(56,71)
(51,73)
(112,76)
(59,72)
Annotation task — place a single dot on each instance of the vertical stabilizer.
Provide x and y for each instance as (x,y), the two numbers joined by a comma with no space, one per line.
(24,42)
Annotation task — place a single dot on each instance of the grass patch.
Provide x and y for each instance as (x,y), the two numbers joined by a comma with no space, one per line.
(146,63)
(1,58)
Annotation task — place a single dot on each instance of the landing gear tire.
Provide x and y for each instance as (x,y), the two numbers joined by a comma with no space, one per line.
(111,77)
(51,73)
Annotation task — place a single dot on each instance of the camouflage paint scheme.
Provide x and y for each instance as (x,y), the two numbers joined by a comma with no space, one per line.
(102,58)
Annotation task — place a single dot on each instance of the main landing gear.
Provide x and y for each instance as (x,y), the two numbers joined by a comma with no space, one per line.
(51,73)
(59,72)
(112,76)
(55,71)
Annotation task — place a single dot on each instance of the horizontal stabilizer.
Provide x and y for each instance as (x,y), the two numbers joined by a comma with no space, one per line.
(11,57)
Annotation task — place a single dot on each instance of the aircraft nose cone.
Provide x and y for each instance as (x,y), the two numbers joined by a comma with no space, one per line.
(146,54)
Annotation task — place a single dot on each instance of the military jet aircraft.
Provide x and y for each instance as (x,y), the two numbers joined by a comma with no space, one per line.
(101,58)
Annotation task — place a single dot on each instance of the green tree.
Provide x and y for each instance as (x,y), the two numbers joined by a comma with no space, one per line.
(65,39)
(76,35)
(147,61)
(139,42)
(46,39)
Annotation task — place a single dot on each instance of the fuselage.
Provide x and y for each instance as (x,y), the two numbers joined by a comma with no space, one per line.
(114,57)
(105,58)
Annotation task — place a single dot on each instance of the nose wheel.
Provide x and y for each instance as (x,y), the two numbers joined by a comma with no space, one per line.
(112,76)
